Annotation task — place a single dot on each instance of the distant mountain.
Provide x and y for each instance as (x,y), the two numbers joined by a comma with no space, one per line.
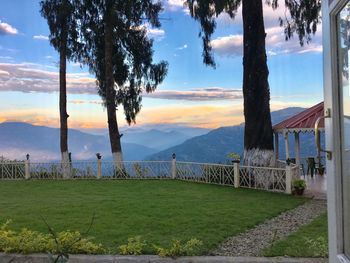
(159,140)
(160,136)
(215,145)
(42,143)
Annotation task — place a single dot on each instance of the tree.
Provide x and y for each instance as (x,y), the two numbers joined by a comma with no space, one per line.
(118,51)
(64,38)
(303,20)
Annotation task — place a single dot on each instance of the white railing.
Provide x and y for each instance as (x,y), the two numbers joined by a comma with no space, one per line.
(137,170)
(263,178)
(205,172)
(12,170)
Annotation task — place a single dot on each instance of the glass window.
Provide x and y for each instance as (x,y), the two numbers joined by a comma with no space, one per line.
(344,71)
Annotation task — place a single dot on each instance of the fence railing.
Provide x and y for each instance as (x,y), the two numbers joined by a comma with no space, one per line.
(204,172)
(264,178)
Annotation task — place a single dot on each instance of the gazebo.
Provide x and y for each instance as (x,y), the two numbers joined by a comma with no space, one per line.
(300,123)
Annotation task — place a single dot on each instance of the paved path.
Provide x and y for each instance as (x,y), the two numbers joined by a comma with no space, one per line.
(252,242)
(13,258)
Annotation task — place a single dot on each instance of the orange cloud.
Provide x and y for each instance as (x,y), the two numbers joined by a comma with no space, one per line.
(206,116)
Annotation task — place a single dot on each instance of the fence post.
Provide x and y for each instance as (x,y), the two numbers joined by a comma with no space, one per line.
(288,179)
(236,174)
(27,167)
(173,167)
(99,165)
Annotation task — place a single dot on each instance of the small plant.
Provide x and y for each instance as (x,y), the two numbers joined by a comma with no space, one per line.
(299,186)
(190,248)
(234,157)
(319,244)
(135,246)
(28,241)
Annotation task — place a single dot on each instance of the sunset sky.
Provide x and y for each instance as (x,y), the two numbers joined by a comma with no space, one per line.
(191,95)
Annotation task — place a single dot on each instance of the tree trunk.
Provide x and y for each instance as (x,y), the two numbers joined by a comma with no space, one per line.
(114,135)
(63,106)
(258,135)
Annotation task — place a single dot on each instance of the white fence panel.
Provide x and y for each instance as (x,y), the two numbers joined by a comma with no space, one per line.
(205,172)
(264,178)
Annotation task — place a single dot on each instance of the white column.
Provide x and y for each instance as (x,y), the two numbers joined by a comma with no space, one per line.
(297,151)
(99,165)
(173,167)
(286,143)
(236,174)
(27,168)
(276,146)
(288,179)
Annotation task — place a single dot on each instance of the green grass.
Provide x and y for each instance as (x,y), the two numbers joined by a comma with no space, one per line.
(159,211)
(309,241)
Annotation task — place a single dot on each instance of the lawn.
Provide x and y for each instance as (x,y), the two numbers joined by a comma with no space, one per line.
(159,211)
(309,241)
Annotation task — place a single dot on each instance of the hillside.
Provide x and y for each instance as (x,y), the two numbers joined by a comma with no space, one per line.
(42,143)
(215,145)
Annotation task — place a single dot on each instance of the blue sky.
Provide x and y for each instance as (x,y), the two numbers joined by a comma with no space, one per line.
(192,94)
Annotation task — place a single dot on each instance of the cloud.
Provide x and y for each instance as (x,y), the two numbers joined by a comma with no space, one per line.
(85,102)
(3,72)
(26,77)
(156,33)
(175,5)
(276,44)
(200,94)
(182,47)
(41,37)
(7,29)
(152,32)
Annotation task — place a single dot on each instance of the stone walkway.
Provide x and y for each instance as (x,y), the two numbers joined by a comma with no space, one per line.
(252,242)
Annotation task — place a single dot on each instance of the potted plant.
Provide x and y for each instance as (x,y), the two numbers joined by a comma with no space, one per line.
(236,158)
(299,186)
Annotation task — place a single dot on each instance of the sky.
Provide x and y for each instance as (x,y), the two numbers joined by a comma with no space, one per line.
(191,95)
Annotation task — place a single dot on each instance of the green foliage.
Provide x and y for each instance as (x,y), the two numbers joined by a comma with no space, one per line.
(28,241)
(130,64)
(299,184)
(135,246)
(319,244)
(176,249)
(234,156)
(304,18)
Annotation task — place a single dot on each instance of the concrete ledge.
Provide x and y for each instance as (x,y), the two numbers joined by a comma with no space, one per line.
(42,258)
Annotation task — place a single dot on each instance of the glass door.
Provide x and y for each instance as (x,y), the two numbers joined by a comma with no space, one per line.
(343,32)
(336,50)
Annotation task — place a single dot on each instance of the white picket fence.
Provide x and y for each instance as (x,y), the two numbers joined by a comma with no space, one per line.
(263,178)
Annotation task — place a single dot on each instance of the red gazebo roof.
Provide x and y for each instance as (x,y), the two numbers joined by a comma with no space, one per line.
(303,121)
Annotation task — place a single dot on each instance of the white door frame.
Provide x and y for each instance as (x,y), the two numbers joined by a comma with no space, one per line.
(330,9)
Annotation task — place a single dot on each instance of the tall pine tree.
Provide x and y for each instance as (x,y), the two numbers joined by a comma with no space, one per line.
(64,38)
(118,51)
(303,20)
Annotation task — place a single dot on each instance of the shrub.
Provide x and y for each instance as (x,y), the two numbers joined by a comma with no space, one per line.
(134,246)
(27,241)
(299,184)
(176,249)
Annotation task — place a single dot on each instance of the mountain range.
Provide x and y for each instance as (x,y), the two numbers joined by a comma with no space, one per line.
(42,143)
(214,146)
(142,143)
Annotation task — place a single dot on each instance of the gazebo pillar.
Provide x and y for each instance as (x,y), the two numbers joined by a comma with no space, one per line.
(297,149)
(286,143)
(276,146)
